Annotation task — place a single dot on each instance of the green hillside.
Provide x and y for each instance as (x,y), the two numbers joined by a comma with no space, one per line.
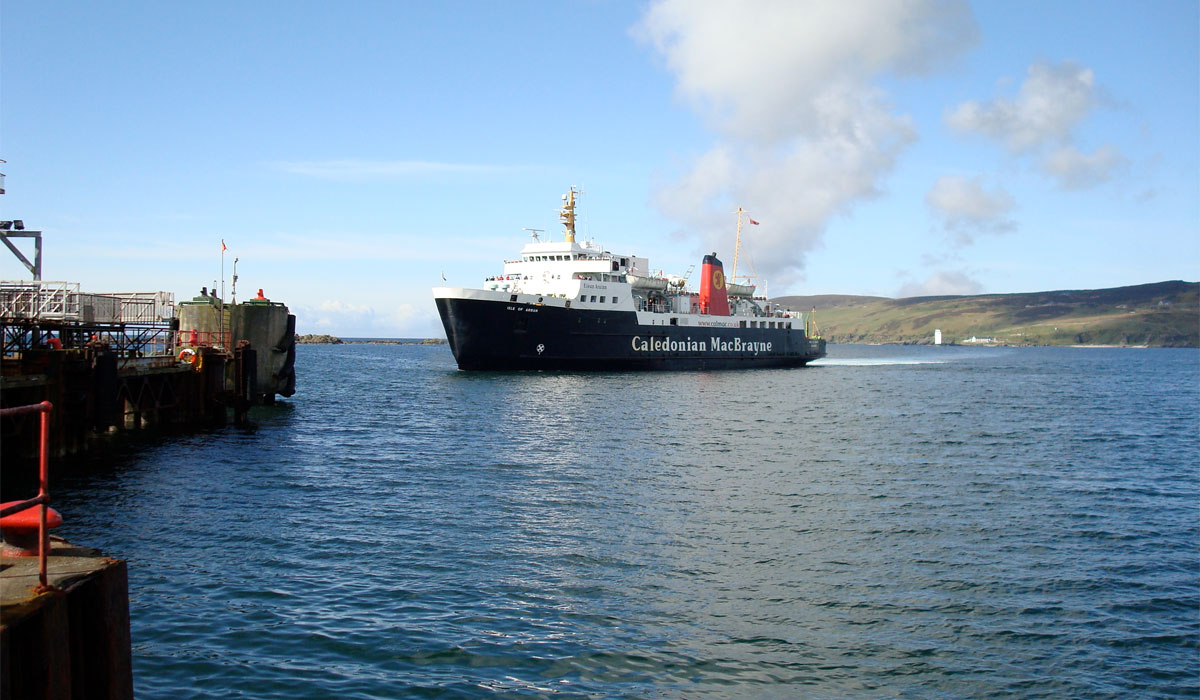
(1165,314)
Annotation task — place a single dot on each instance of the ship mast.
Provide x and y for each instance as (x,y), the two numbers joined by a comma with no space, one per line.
(567,215)
(737,246)
(737,249)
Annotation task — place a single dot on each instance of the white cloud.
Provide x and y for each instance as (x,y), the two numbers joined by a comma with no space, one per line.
(941,283)
(1052,102)
(370,169)
(759,68)
(1076,170)
(803,135)
(967,210)
(792,191)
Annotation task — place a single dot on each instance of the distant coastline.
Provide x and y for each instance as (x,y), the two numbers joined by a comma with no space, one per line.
(1162,314)
(323,339)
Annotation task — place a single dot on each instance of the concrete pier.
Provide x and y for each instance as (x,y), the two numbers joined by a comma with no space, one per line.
(69,643)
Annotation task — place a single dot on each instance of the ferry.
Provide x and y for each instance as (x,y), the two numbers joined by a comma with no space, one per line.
(571,305)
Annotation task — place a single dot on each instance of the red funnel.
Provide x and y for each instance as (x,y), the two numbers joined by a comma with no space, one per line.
(713,299)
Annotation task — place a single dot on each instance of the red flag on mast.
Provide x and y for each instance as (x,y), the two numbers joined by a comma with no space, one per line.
(754,222)
(223,248)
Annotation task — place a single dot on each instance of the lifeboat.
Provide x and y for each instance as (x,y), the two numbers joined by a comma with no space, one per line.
(657,284)
(739,290)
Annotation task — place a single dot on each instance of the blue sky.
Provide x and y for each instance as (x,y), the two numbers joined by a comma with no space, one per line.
(350,153)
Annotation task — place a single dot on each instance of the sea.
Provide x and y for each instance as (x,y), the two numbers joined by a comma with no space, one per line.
(889,522)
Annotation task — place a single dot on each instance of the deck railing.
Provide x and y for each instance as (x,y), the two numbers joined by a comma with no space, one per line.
(43,497)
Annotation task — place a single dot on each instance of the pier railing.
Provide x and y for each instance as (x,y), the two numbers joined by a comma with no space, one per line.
(52,301)
(62,301)
(43,497)
(197,338)
(136,324)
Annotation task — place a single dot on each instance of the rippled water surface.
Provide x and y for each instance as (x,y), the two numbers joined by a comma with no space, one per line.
(890,522)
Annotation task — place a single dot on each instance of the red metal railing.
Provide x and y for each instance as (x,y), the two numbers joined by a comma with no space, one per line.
(196,338)
(43,497)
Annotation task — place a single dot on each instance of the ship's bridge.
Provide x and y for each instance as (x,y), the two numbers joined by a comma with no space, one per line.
(568,259)
(560,268)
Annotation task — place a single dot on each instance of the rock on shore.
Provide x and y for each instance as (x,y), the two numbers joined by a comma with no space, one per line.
(317,339)
(322,339)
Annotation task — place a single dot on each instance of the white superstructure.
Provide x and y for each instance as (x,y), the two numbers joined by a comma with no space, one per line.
(585,276)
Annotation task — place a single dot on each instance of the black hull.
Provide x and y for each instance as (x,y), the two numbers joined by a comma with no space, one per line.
(495,335)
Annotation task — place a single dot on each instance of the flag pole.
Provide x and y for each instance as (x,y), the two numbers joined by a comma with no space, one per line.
(221,303)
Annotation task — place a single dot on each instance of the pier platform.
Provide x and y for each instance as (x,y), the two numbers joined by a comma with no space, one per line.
(71,642)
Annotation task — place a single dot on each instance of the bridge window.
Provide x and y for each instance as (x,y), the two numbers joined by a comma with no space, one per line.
(601,299)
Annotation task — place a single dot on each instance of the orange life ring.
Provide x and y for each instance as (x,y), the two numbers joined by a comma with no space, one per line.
(188,355)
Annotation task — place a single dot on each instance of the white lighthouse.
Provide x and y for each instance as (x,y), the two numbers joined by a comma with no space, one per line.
(937,336)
